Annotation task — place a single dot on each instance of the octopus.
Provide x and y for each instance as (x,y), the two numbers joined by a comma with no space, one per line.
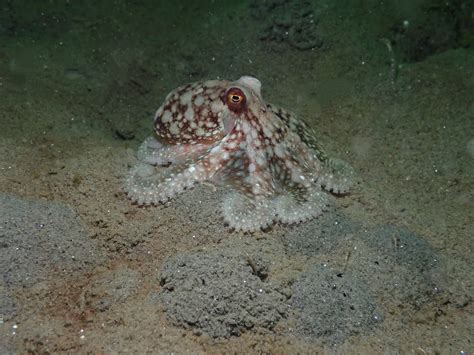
(224,133)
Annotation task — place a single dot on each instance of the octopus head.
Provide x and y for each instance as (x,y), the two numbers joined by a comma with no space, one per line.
(205,112)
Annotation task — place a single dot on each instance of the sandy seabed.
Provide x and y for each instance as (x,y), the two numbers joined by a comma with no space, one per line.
(387,269)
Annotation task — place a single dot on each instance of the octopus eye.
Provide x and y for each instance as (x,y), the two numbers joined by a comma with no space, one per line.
(235,99)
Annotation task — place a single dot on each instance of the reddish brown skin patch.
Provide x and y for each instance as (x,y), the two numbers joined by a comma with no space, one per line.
(235,100)
(162,129)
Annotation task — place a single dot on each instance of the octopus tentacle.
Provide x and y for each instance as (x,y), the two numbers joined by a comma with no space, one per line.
(164,171)
(333,174)
(290,210)
(247,214)
(298,198)
(337,176)
(259,175)
(148,185)
(153,152)
(304,132)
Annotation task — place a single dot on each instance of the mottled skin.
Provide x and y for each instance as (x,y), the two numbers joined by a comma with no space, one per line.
(224,132)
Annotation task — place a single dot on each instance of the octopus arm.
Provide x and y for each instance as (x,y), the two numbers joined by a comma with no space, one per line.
(278,185)
(337,176)
(149,182)
(259,174)
(154,152)
(301,128)
(298,198)
(148,185)
(333,174)
(242,165)
(248,213)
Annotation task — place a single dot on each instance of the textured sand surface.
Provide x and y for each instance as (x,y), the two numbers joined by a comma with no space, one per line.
(387,269)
